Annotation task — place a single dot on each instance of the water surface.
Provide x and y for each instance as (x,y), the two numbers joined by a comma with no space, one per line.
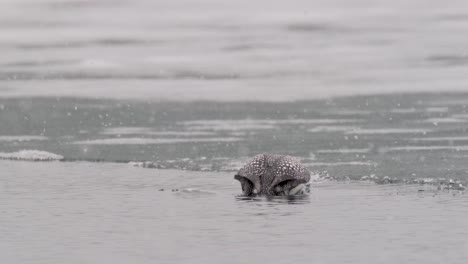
(113,213)
(419,138)
(122,123)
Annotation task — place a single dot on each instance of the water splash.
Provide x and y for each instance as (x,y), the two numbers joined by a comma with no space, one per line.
(31,155)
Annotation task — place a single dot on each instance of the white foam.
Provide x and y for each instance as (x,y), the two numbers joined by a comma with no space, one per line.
(343,151)
(444,120)
(426,180)
(197,191)
(462,116)
(277,89)
(415,110)
(258,124)
(403,110)
(448,102)
(240,133)
(297,189)
(383,131)
(229,125)
(440,139)
(98,64)
(145,141)
(181,133)
(149,131)
(319,129)
(21,138)
(437,109)
(347,112)
(424,148)
(232,165)
(344,163)
(31,155)
(125,130)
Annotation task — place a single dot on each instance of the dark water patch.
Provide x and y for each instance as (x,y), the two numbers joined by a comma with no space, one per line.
(449,59)
(197,136)
(5,88)
(18,75)
(455,17)
(81,4)
(33,24)
(332,29)
(238,48)
(124,42)
(105,42)
(39,63)
(314,28)
(275,200)
(202,26)
(104,75)
(42,46)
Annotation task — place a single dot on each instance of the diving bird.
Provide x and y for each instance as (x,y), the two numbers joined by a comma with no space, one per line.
(268,174)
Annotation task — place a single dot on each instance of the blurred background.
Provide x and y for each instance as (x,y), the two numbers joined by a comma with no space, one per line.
(206,84)
(266,50)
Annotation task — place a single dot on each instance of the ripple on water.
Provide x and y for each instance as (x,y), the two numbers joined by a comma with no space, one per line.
(342,151)
(414,110)
(21,138)
(383,131)
(438,183)
(194,193)
(444,120)
(152,132)
(320,129)
(259,124)
(423,148)
(154,141)
(458,138)
(404,110)
(437,109)
(461,116)
(228,125)
(342,163)
(287,199)
(448,102)
(449,59)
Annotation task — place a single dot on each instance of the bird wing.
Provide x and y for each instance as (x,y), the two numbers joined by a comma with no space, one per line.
(288,168)
(252,171)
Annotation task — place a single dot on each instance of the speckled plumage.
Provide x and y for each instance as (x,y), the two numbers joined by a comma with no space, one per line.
(270,174)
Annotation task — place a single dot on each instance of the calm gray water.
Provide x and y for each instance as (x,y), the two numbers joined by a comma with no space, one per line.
(113,213)
(122,123)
